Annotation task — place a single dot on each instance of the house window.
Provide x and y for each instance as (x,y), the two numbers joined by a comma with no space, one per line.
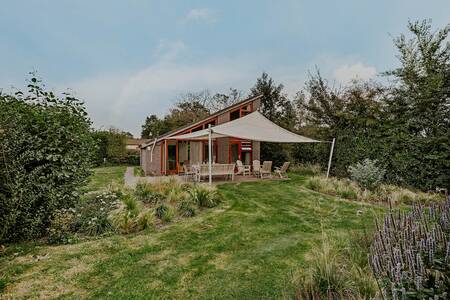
(198,128)
(213,123)
(236,114)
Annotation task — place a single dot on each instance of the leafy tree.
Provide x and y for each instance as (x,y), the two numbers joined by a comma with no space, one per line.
(153,127)
(220,101)
(46,148)
(351,114)
(276,107)
(111,146)
(418,126)
(186,112)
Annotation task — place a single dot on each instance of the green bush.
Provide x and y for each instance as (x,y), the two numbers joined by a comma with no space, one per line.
(46,148)
(61,229)
(204,196)
(145,192)
(307,169)
(92,213)
(146,219)
(367,174)
(165,212)
(187,208)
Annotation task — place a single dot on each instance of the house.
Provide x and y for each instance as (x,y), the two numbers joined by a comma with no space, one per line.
(164,156)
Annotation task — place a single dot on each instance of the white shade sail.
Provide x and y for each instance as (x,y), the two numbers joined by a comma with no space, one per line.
(253,126)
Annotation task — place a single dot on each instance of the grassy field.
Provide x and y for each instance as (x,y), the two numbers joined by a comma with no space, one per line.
(249,247)
(103,176)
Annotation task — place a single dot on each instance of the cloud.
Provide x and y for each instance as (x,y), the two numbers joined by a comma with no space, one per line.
(124,100)
(346,73)
(200,14)
(169,50)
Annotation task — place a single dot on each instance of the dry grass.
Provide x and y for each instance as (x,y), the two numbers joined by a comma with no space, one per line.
(347,189)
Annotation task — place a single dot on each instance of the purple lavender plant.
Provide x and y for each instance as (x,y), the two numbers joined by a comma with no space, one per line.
(410,253)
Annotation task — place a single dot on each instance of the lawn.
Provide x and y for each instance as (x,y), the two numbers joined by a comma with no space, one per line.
(103,176)
(248,247)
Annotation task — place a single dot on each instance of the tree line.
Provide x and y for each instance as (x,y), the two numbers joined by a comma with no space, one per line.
(402,123)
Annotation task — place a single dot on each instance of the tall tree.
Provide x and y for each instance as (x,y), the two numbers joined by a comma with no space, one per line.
(419,108)
(274,103)
(276,107)
(153,127)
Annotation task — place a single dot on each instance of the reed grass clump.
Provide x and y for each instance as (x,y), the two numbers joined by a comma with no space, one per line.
(348,189)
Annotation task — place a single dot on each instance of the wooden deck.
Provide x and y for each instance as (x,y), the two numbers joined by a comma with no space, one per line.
(131,180)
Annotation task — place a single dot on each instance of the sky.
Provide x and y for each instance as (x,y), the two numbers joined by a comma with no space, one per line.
(130,59)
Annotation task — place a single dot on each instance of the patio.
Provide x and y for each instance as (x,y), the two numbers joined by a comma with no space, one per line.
(130,180)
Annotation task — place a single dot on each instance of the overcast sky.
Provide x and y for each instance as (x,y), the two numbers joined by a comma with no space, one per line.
(129,59)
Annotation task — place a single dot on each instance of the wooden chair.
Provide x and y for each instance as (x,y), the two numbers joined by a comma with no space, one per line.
(188,173)
(282,171)
(256,167)
(241,169)
(266,169)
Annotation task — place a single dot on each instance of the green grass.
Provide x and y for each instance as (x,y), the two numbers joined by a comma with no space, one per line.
(248,247)
(103,176)
(138,172)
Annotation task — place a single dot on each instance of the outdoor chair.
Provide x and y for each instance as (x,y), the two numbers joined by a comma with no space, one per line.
(256,167)
(188,173)
(281,171)
(266,169)
(242,169)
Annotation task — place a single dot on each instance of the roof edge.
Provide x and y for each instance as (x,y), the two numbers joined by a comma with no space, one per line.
(217,113)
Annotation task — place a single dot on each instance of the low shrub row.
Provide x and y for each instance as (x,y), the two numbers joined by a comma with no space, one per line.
(306,169)
(130,210)
(348,189)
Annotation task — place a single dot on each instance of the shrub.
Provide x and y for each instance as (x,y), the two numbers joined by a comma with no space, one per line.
(410,254)
(204,196)
(325,278)
(186,208)
(61,229)
(315,184)
(146,219)
(347,192)
(46,149)
(131,204)
(307,169)
(125,218)
(165,212)
(338,270)
(92,213)
(176,196)
(145,192)
(367,174)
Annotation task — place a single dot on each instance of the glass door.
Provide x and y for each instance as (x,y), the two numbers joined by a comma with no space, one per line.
(171,158)
(235,152)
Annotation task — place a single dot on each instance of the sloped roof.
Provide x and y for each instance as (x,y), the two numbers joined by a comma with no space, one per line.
(194,124)
(253,126)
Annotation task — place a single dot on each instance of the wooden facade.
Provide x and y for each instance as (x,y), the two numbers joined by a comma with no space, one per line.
(167,156)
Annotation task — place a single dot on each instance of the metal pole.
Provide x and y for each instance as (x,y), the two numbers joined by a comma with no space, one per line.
(331,156)
(210,153)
